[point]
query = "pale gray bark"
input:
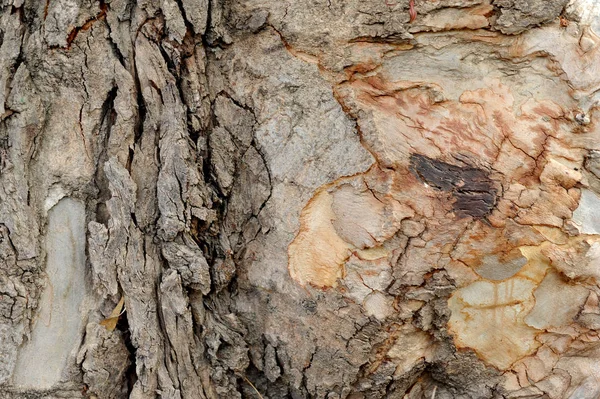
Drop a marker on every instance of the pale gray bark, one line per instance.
(279, 191)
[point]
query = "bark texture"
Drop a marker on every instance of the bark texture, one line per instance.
(299, 199)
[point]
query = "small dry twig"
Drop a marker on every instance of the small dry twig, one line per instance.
(412, 11)
(251, 384)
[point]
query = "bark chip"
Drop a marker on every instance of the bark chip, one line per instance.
(472, 188)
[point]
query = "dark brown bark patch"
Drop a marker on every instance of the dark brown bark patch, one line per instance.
(472, 187)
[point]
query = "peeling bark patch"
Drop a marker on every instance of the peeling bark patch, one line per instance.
(337, 221)
(58, 324)
(471, 187)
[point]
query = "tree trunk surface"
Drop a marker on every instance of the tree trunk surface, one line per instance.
(299, 199)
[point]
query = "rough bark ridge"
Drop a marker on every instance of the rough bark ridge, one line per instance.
(302, 198)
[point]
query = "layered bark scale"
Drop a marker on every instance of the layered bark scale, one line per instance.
(299, 198)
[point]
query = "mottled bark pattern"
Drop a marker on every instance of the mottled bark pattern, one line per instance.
(299, 199)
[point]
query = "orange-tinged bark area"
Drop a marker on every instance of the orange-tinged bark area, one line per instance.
(482, 179)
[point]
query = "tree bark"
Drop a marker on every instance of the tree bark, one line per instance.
(299, 198)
